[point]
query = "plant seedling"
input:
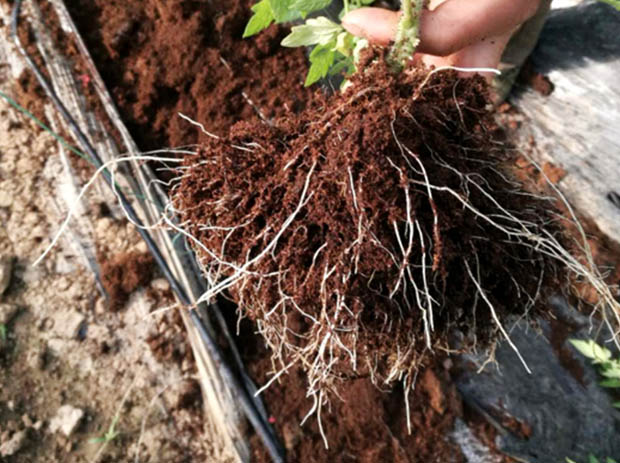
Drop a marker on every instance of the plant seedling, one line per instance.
(334, 49)
(354, 217)
(110, 435)
(608, 367)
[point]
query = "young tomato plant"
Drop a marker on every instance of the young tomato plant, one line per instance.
(608, 367)
(334, 49)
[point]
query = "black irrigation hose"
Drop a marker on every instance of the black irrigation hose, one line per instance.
(262, 428)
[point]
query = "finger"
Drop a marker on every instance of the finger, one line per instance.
(457, 24)
(378, 25)
(451, 26)
(484, 54)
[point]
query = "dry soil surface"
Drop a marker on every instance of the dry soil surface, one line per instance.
(70, 367)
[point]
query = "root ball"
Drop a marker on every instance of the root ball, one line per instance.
(361, 232)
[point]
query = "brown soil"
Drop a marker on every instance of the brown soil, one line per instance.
(123, 274)
(160, 59)
(186, 56)
(365, 424)
(363, 157)
(539, 82)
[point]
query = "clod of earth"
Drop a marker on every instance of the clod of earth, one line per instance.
(123, 274)
(361, 233)
(13, 445)
(66, 420)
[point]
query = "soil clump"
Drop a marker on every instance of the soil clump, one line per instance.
(369, 228)
(123, 274)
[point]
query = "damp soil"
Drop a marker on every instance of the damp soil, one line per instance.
(333, 196)
(529, 77)
(123, 274)
(160, 59)
(187, 56)
(366, 425)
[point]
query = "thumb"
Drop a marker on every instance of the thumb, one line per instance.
(378, 25)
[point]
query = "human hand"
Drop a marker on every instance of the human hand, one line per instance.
(462, 33)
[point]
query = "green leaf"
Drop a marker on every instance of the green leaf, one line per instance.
(344, 43)
(592, 459)
(611, 372)
(341, 63)
(611, 382)
(616, 404)
(321, 59)
(611, 460)
(316, 31)
(591, 350)
(261, 19)
(283, 10)
(2, 332)
(614, 3)
(308, 6)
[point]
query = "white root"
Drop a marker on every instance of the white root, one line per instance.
(496, 318)
(76, 204)
(199, 125)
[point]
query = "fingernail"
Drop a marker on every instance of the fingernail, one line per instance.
(353, 28)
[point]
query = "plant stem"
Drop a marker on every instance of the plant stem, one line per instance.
(406, 40)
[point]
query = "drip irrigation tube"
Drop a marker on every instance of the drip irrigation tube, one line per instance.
(262, 428)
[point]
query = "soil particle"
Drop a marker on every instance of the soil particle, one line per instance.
(553, 173)
(530, 77)
(122, 274)
(160, 284)
(66, 420)
(7, 312)
(169, 343)
(14, 444)
(68, 323)
(190, 395)
(432, 386)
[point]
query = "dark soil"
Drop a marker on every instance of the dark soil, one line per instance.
(530, 78)
(346, 270)
(122, 274)
(159, 59)
(365, 424)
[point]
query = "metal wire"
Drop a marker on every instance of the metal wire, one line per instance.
(262, 428)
